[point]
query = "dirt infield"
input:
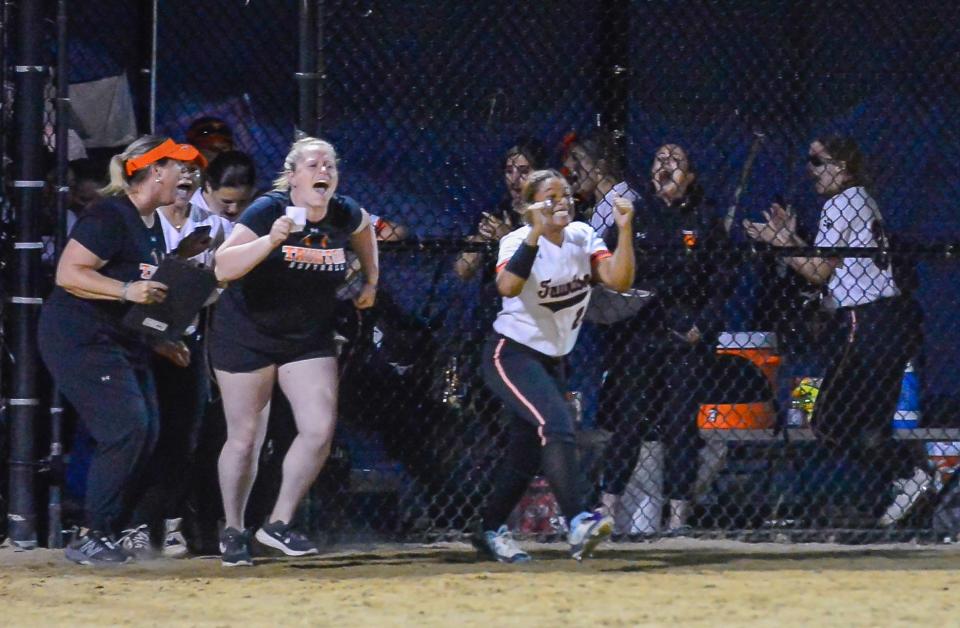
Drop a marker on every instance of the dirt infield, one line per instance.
(670, 582)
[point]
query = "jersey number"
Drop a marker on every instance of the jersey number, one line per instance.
(578, 318)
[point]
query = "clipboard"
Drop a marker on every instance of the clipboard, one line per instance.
(189, 287)
(608, 306)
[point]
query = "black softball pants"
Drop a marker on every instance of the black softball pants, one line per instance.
(112, 389)
(540, 434)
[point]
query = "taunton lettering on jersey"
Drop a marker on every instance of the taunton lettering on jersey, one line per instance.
(578, 287)
(303, 258)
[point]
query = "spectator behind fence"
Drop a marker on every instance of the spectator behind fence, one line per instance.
(594, 169)
(274, 323)
(544, 275)
(658, 361)
(102, 368)
(182, 389)
(881, 325)
(520, 160)
(211, 135)
(229, 184)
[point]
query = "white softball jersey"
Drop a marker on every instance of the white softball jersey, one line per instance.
(847, 220)
(547, 314)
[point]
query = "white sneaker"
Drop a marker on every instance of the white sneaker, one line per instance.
(174, 543)
(136, 542)
(501, 546)
(906, 493)
(587, 530)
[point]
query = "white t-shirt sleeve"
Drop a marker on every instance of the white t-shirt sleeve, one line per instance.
(508, 246)
(834, 226)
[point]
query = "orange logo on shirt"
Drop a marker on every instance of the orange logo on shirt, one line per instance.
(689, 239)
(308, 240)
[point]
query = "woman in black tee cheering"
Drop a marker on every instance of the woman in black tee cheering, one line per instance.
(274, 323)
(102, 368)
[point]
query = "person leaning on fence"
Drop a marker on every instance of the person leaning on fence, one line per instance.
(544, 274)
(665, 350)
(859, 393)
(100, 367)
(228, 185)
(274, 323)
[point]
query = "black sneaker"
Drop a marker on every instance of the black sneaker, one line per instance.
(95, 548)
(281, 536)
(235, 548)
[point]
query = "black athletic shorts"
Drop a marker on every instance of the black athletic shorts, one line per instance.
(236, 355)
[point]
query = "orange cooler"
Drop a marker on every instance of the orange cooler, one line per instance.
(760, 348)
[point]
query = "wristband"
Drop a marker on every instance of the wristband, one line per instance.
(522, 261)
(123, 294)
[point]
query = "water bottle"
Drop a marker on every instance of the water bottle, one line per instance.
(907, 416)
(796, 417)
(802, 400)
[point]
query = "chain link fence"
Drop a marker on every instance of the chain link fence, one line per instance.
(752, 384)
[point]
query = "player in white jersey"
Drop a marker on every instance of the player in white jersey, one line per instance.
(859, 394)
(544, 274)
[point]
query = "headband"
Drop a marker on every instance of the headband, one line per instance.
(167, 150)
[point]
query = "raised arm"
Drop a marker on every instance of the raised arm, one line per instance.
(617, 271)
(490, 229)
(513, 276)
(243, 250)
(780, 230)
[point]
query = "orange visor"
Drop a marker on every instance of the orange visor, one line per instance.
(168, 150)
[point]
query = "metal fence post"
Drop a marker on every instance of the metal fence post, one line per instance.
(30, 75)
(307, 75)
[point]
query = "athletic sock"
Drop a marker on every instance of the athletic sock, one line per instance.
(560, 467)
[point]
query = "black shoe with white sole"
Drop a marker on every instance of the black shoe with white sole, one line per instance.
(281, 536)
(92, 547)
(235, 548)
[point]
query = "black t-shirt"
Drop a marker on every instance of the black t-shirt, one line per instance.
(680, 254)
(114, 231)
(290, 295)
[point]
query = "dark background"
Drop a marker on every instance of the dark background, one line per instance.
(422, 98)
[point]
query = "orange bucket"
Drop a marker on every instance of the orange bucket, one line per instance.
(760, 348)
(736, 416)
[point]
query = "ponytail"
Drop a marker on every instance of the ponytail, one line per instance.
(120, 181)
